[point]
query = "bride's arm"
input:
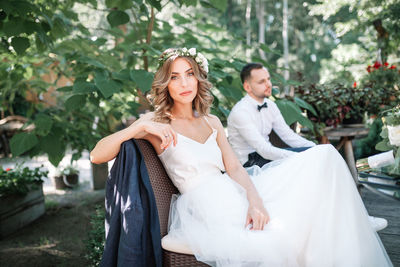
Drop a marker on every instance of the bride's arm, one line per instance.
(144, 128)
(257, 214)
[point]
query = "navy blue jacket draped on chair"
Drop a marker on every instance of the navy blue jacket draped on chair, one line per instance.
(132, 226)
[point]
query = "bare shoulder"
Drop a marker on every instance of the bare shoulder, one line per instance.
(214, 121)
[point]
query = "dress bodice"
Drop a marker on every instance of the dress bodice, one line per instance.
(189, 161)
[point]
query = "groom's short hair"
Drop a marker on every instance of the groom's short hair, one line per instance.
(246, 71)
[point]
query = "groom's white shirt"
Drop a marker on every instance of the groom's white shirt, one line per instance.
(249, 129)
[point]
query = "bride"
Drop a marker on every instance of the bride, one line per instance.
(302, 211)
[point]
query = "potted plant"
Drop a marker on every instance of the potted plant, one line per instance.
(21, 197)
(67, 177)
(381, 86)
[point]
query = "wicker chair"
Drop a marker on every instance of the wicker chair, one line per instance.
(163, 190)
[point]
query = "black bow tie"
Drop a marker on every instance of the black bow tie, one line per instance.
(259, 107)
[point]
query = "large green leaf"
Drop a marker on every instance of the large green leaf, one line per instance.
(43, 124)
(75, 102)
(143, 79)
(383, 146)
(117, 17)
(188, 2)
(305, 122)
(290, 111)
(20, 44)
(22, 142)
(123, 75)
(82, 87)
(305, 105)
(65, 89)
(13, 27)
(24, 7)
(106, 86)
(155, 3)
(219, 4)
(91, 61)
(54, 146)
(120, 4)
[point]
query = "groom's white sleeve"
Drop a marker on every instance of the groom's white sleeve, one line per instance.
(253, 137)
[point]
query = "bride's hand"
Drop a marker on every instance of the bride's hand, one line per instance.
(161, 130)
(257, 215)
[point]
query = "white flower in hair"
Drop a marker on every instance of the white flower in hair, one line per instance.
(192, 51)
(202, 58)
(184, 52)
(205, 67)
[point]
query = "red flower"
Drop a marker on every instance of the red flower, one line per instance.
(392, 67)
(377, 65)
(354, 84)
(369, 68)
(386, 64)
(8, 169)
(346, 109)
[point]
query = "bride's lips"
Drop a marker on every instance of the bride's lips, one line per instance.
(185, 93)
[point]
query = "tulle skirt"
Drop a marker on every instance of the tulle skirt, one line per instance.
(317, 217)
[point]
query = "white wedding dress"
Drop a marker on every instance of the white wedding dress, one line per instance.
(317, 216)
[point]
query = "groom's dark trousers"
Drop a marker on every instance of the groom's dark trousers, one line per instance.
(256, 159)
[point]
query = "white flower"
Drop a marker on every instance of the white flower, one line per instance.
(184, 50)
(201, 60)
(205, 67)
(192, 51)
(394, 135)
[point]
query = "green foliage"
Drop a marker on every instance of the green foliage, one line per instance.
(332, 102)
(28, 22)
(20, 180)
(365, 147)
(383, 85)
(117, 17)
(22, 142)
(220, 4)
(96, 237)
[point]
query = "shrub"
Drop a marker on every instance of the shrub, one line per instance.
(20, 180)
(96, 237)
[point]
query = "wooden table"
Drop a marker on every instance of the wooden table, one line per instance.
(346, 136)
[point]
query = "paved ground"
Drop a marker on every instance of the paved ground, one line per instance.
(58, 237)
(388, 208)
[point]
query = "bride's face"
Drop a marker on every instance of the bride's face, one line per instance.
(183, 84)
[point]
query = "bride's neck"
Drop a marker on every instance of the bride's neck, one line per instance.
(183, 112)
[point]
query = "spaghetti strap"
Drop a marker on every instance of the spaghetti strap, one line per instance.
(209, 124)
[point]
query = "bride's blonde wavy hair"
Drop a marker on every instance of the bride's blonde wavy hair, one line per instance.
(163, 102)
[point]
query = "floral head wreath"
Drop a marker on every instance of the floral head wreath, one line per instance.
(184, 52)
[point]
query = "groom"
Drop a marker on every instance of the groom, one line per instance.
(254, 117)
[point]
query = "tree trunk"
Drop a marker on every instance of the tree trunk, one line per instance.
(285, 44)
(144, 104)
(248, 30)
(261, 27)
(383, 40)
